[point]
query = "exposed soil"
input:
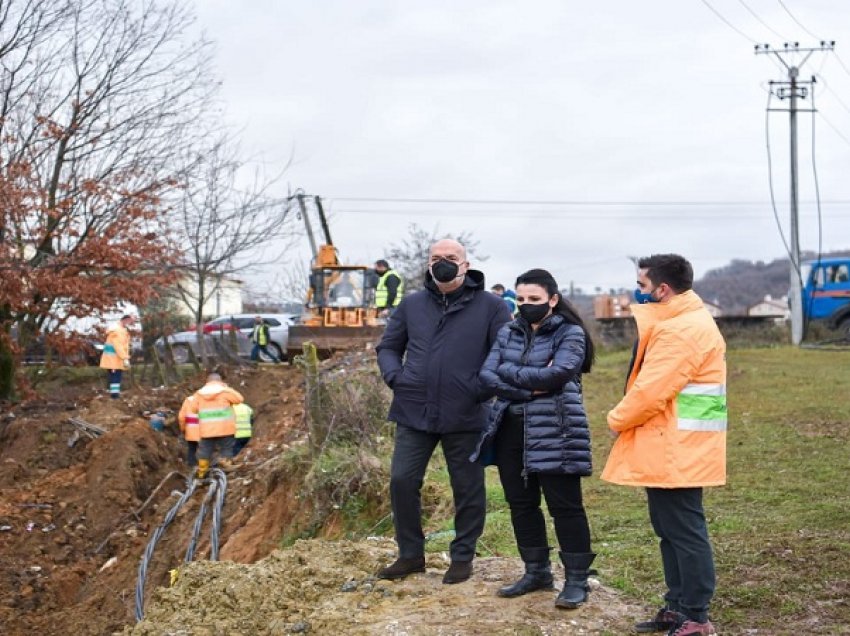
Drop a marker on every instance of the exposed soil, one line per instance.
(76, 514)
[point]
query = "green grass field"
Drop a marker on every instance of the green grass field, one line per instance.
(780, 528)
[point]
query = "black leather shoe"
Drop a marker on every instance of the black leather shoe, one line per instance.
(402, 568)
(664, 621)
(458, 572)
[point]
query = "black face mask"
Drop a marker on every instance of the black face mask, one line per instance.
(444, 271)
(534, 313)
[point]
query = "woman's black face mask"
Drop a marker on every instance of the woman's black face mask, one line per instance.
(534, 313)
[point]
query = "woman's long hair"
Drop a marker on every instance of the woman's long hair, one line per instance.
(564, 308)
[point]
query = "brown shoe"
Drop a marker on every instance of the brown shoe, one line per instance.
(692, 628)
(458, 572)
(402, 568)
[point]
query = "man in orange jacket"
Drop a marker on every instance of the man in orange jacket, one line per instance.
(670, 430)
(213, 405)
(190, 428)
(116, 353)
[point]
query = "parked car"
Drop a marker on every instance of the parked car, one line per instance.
(221, 327)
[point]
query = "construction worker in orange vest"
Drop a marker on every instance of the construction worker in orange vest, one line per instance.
(116, 353)
(213, 405)
(188, 421)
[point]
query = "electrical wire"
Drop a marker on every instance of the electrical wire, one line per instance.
(729, 24)
(800, 24)
(763, 23)
(148, 554)
(770, 182)
(550, 202)
(837, 97)
(835, 128)
(808, 312)
(841, 62)
(199, 522)
(217, 492)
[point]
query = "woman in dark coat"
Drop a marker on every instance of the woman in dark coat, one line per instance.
(538, 434)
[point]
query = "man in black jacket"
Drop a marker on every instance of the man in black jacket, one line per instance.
(429, 356)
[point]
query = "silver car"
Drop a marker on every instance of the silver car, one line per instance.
(223, 326)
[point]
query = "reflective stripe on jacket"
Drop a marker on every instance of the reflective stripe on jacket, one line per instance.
(116, 349)
(672, 420)
(381, 293)
(188, 420)
(244, 415)
(214, 407)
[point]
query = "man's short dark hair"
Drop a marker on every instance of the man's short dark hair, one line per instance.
(672, 269)
(382, 263)
(498, 287)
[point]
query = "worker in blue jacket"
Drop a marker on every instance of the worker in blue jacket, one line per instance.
(429, 356)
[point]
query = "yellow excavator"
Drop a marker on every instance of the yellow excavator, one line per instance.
(340, 308)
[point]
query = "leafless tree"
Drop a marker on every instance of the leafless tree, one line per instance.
(410, 257)
(100, 100)
(223, 227)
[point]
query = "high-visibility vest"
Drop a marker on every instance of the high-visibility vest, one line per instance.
(244, 413)
(381, 294)
(260, 335)
(188, 420)
(192, 430)
(214, 406)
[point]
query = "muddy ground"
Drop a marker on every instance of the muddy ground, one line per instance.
(76, 514)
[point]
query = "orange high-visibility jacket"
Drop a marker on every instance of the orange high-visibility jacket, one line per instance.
(672, 420)
(187, 418)
(116, 349)
(214, 406)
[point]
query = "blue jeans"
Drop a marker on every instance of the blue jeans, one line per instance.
(255, 352)
(413, 450)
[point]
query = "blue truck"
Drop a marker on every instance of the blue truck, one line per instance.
(826, 292)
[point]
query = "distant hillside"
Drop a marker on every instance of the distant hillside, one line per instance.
(742, 283)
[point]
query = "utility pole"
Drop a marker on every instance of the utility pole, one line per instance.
(793, 89)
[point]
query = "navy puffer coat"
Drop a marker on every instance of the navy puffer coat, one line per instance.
(557, 437)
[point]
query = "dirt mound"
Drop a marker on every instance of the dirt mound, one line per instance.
(76, 513)
(328, 587)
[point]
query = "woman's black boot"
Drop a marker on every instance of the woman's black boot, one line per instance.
(538, 573)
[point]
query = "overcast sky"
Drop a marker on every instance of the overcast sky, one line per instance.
(540, 115)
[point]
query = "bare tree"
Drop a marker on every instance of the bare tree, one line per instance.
(223, 228)
(410, 257)
(100, 101)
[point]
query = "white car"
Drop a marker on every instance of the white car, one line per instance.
(243, 325)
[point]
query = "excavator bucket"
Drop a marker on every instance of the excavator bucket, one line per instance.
(329, 339)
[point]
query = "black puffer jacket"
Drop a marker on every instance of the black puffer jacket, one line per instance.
(557, 437)
(431, 352)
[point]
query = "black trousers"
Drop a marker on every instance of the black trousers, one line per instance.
(562, 492)
(413, 450)
(678, 519)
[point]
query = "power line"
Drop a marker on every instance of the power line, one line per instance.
(800, 24)
(765, 24)
(729, 24)
(555, 202)
(770, 177)
(835, 128)
(554, 215)
(834, 94)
